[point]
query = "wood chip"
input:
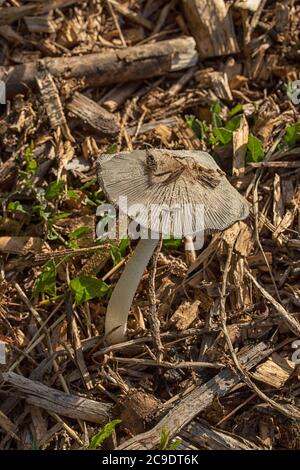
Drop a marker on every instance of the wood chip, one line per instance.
(185, 314)
(211, 25)
(275, 371)
(240, 142)
(72, 406)
(52, 101)
(98, 119)
(40, 24)
(20, 245)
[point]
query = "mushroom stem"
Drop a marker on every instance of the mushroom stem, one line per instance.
(190, 254)
(122, 296)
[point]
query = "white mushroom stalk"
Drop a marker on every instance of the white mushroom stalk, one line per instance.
(159, 178)
(123, 294)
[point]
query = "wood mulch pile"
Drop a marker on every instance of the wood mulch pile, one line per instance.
(87, 77)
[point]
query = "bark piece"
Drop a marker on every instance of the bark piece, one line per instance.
(118, 66)
(131, 15)
(11, 14)
(8, 173)
(64, 404)
(40, 24)
(218, 81)
(240, 142)
(211, 25)
(20, 245)
(52, 100)
(8, 425)
(93, 115)
(251, 5)
(275, 371)
(118, 95)
(185, 315)
(209, 438)
(196, 401)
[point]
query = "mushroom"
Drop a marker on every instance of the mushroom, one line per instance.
(174, 179)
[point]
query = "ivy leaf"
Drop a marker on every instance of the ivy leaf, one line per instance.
(103, 434)
(255, 149)
(124, 244)
(78, 232)
(223, 135)
(54, 189)
(172, 243)
(86, 288)
(16, 206)
(112, 149)
(31, 164)
(292, 134)
(233, 124)
(200, 128)
(215, 114)
(118, 252)
(46, 282)
(236, 110)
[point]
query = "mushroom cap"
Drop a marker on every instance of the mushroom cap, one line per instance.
(183, 181)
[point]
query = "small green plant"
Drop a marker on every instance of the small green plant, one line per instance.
(31, 164)
(104, 433)
(75, 235)
(16, 206)
(255, 149)
(118, 252)
(165, 441)
(219, 132)
(54, 189)
(86, 288)
(112, 149)
(292, 134)
(46, 281)
(172, 243)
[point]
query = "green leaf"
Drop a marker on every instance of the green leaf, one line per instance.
(54, 189)
(216, 108)
(103, 434)
(86, 288)
(78, 232)
(223, 135)
(172, 243)
(164, 439)
(174, 445)
(46, 282)
(200, 128)
(292, 134)
(72, 194)
(88, 184)
(31, 164)
(16, 206)
(233, 124)
(236, 110)
(118, 252)
(124, 244)
(215, 114)
(255, 149)
(61, 215)
(115, 255)
(112, 149)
